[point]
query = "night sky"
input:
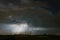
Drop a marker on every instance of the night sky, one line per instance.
(32, 18)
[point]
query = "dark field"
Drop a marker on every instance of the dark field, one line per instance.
(30, 37)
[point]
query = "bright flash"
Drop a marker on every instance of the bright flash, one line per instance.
(19, 28)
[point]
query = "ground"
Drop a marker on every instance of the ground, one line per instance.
(30, 37)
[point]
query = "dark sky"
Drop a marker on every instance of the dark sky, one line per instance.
(35, 16)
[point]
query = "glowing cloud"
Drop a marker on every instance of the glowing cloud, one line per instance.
(18, 28)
